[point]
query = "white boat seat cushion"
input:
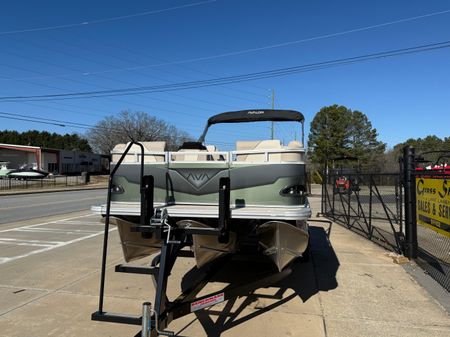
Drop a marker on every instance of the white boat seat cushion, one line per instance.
(133, 155)
(293, 156)
(191, 156)
(271, 144)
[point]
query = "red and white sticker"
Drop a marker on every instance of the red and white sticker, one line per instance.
(207, 302)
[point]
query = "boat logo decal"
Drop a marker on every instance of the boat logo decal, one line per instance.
(199, 177)
(256, 112)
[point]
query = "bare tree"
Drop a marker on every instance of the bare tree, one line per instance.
(139, 126)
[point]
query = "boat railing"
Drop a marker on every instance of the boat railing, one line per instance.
(207, 157)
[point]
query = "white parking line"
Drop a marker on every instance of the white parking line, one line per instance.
(87, 223)
(31, 241)
(47, 245)
(24, 244)
(55, 230)
(43, 223)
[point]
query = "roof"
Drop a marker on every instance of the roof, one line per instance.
(257, 115)
(3, 145)
(253, 115)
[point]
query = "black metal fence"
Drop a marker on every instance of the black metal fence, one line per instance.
(49, 182)
(407, 211)
(369, 204)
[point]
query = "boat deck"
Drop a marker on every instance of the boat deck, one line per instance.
(212, 211)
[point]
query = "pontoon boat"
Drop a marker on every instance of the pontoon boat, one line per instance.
(267, 193)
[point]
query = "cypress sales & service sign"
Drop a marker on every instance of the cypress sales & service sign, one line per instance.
(433, 204)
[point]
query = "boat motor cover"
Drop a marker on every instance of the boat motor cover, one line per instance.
(254, 115)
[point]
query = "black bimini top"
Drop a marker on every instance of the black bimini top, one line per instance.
(254, 115)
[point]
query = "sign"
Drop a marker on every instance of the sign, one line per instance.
(207, 302)
(433, 204)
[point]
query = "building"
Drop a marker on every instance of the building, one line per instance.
(54, 160)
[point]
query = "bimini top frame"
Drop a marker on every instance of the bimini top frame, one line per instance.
(258, 115)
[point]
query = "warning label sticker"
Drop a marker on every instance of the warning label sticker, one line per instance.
(207, 302)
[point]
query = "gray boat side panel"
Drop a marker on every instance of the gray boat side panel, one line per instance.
(204, 180)
(257, 175)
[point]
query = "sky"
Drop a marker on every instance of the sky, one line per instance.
(52, 47)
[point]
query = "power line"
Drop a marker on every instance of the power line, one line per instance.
(230, 79)
(314, 38)
(278, 45)
(98, 21)
(65, 77)
(64, 123)
(108, 78)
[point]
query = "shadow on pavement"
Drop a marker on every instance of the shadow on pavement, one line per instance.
(306, 280)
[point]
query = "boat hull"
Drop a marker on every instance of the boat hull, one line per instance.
(134, 245)
(29, 174)
(207, 248)
(282, 241)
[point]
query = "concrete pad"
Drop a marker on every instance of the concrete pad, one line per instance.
(249, 323)
(371, 328)
(379, 293)
(60, 314)
(139, 287)
(14, 249)
(59, 267)
(294, 294)
(70, 226)
(379, 258)
(44, 236)
(11, 298)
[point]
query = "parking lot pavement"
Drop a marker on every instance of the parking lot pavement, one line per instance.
(49, 279)
(23, 241)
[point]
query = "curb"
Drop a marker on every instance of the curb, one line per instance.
(53, 190)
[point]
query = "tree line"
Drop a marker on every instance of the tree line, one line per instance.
(336, 131)
(46, 139)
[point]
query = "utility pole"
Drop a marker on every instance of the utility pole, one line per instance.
(273, 107)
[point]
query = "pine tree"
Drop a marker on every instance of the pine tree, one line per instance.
(337, 131)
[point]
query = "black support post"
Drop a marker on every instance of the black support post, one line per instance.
(147, 211)
(410, 202)
(224, 208)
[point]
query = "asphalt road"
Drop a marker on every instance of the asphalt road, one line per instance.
(29, 206)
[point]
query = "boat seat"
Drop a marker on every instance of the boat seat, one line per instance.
(271, 144)
(293, 157)
(191, 156)
(133, 154)
(213, 148)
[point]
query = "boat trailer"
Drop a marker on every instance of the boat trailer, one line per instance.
(157, 316)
